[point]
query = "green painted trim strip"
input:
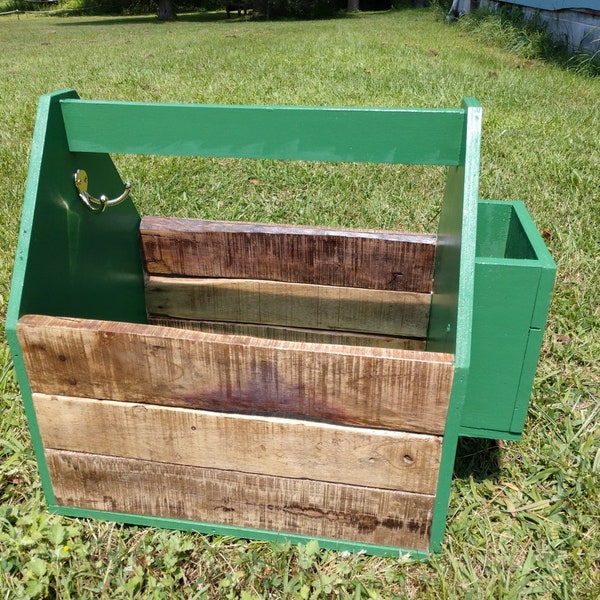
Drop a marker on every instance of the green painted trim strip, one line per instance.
(228, 530)
(47, 106)
(489, 434)
(469, 234)
(547, 275)
(409, 136)
(531, 263)
(458, 236)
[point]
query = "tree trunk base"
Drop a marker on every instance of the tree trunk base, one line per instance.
(166, 11)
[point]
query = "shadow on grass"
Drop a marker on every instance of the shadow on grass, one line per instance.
(207, 17)
(201, 17)
(479, 458)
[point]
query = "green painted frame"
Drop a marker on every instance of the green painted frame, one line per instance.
(58, 230)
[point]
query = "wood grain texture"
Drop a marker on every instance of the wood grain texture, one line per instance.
(248, 443)
(290, 304)
(292, 334)
(376, 387)
(347, 258)
(311, 508)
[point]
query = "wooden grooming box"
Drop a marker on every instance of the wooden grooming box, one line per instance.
(267, 381)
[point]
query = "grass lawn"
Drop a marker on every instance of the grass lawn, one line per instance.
(524, 517)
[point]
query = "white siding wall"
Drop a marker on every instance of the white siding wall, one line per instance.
(579, 29)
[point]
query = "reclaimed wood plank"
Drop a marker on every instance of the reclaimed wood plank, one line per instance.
(304, 507)
(296, 254)
(249, 443)
(375, 387)
(292, 334)
(290, 304)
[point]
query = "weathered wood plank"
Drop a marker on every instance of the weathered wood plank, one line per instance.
(292, 334)
(341, 257)
(376, 387)
(253, 444)
(311, 508)
(290, 305)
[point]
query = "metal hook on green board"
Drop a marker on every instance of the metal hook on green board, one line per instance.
(96, 204)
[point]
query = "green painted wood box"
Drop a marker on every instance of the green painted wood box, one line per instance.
(267, 381)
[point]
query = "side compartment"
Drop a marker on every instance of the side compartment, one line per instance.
(514, 276)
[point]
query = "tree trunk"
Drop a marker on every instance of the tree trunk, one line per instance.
(353, 6)
(165, 10)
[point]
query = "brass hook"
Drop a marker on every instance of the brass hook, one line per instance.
(96, 204)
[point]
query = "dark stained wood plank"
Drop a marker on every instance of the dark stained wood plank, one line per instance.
(376, 387)
(341, 257)
(311, 508)
(290, 305)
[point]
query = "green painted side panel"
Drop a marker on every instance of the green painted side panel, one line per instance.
(441, 335)
(240, 532)
(443, 332)
(504, 299)
(276, 132)
(69, 261)
(494, 219)
(545, 262)
(514, 278)
(501, 232)
(518, 244)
